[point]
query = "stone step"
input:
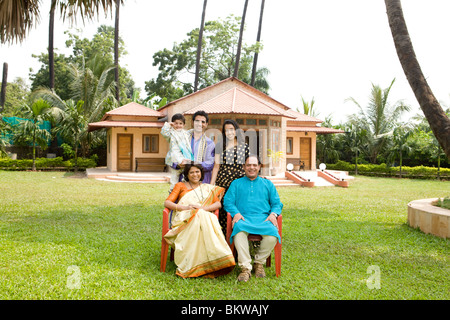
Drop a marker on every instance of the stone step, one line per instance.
(125, 178)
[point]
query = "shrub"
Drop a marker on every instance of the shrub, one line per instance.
(46, 163)
(384, 170)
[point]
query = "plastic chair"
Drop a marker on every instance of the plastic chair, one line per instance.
(166, 226)
(257, 237)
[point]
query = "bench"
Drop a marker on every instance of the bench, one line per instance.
(297, 162)
(150, 164)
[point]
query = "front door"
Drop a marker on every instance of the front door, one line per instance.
(124, 152)
(305, 152)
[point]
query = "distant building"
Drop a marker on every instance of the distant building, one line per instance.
(133, 134)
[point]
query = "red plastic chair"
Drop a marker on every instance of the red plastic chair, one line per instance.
(257, 237)
(167, 218)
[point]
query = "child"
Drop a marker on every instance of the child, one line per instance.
(179, 146)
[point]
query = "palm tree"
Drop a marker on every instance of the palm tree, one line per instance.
(354, 140)
(308, 108)
(439, 121)
(72, 122)
(199, 47)
(258, 39)
(399, 138)
(96, 93)
(3, 89)
(241, 33)
(116, 50)
(30, 131)
(378, 118)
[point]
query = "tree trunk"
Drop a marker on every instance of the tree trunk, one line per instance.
(116, 50)
(241, 32)
(51, 59)
(258, 38)
(199, 47)
(4, 83)
(436, 117)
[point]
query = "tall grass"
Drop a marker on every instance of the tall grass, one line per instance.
(333, 239)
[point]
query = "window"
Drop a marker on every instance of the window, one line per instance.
(150, 143)
(251, 122)
(289, 145)
(263, 122)
(216, 121)
(240, 121)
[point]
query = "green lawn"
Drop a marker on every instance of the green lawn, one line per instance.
(111, 232)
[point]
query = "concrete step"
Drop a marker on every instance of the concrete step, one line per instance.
(130, 178)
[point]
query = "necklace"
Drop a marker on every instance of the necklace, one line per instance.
(196, 192)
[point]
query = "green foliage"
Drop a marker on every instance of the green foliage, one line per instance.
(220, 39)
(384, 170)
(444, 203)
(96, 54)
(17, 93)
(46, 163)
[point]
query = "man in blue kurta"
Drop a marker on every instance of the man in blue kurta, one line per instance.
(254, 204)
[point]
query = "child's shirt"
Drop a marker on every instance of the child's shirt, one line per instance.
(179, 144)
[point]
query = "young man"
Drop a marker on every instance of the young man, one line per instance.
(254, 204)
(202, 147)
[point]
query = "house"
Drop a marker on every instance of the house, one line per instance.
(271, 128)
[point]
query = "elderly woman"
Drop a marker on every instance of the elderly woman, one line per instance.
(200, 246)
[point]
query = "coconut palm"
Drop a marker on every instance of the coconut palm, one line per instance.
(377, 118)
(30, 131)
(17, 17)
(439, 121)
(96, 94)
(72, 122)
(199, 47)
(258, 39)
(241, 33)
(399, 143)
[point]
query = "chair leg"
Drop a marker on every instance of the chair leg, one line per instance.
(164, 251)
(269, 261)
(277, 250)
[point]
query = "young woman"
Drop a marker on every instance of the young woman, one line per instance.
(229, 159)
(200, 246)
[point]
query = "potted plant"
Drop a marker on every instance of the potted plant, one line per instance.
(276, 156)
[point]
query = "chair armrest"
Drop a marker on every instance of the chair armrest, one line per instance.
(165, 222)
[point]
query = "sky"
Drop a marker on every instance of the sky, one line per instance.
(325, 49)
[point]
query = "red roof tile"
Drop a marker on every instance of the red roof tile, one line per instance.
(319, 130)
(133, 109)
(239, 101)
(131, 124)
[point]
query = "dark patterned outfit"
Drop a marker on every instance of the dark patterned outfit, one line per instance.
(231, 168)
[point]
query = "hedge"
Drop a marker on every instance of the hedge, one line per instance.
(382, 170)
(46, 163)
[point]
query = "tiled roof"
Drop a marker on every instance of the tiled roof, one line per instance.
(131, 124)
(237, 100)
(302, 117)
(133, 109)
(319, 130)
(248, 87)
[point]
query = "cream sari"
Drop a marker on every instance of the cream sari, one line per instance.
(196, 235)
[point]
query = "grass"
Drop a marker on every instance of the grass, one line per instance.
(111, 232)
(444, 203)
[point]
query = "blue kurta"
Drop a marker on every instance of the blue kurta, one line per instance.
(254, 200)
